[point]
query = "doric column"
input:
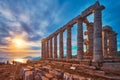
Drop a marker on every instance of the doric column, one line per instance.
(69, 47)
(112, 44)
(115, 44)
(90, 39)
(104, 42)
(42, 49)
(97, 52)
(55, 46)
(51, 48)
(47, 48)
(80, 39)
(61, 52)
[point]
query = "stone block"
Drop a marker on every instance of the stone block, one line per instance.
(28, 75)
(111, 67)
(44, 78)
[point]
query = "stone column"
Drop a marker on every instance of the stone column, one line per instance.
(115, 44)
(90, 39)
(55, 46)
(42, 49)
(61, 52)
(112, 44)
(104, 42)
(69, 47)
(51, 48)
(80, 39)
(97, 52)
(47, 48)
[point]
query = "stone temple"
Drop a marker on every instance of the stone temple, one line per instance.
(101, 42)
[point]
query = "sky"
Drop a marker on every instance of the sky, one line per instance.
(23, 23)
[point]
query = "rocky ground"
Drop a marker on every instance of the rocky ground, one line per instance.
(7, 72)
(53, 70)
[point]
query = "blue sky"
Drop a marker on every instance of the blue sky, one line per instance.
(36, 19)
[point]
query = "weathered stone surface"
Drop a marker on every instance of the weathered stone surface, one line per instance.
(105, 45)
(44, 78)
(50, 76)
(80, 39)
(69, 46)
(111, 67)
(55, 46)
(57, 73)
(89, 43)
(37, 76)
(61, 52)
(29, 75)
(67, 76)
(97, 52)
(112, 44)
(51, 48)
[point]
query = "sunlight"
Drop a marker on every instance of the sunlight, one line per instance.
(18, 43)
(20, 60)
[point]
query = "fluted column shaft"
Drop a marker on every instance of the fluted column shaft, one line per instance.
(42, 49)
(105, 51)
(61, 52)
(115, 44)
(47, 49)
(90, 39)
(97, 55)
(69, 47)
(55, 46)
(51, 48)
(112, 44)
(80, 39)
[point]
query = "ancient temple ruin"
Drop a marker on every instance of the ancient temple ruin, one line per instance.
(100, 60)
(101, 42)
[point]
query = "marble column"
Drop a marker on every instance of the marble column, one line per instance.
(51, 48)
(97, 52)
(61, 52)
(104, 42)
(80, 39)
(55, 46)
(69, 47)
(112, 44)
(90, 39)
(115, 44)
(47, 48)
(42, 49)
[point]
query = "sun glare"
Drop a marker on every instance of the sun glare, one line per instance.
(18, 43)
(20, 60)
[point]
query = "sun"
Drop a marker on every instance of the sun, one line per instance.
(18, 42)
